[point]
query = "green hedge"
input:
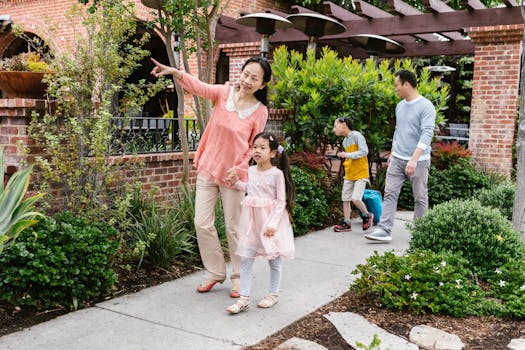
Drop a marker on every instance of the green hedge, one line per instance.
(63, 261)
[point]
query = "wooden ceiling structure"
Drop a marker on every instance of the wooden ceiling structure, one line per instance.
(438, 31)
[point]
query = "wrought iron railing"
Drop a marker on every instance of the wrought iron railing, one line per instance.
(138, 135)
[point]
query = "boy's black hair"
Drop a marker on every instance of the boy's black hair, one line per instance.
(347, 121)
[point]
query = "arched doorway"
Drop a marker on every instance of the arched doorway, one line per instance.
(165, 101)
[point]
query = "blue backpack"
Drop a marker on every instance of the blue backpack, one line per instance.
(374, 203)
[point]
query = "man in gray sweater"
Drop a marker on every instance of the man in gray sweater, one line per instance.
(410, 155)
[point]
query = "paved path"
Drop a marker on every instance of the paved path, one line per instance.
(174, 316)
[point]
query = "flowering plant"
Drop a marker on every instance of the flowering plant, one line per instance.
(26, 62)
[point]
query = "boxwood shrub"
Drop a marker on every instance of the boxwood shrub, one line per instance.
(480, 234)
(459, 181)
(62, 261)
(310, 208)
(500, 197)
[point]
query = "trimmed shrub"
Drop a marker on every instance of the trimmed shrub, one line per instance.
(64, 261)
(459, 181)
(310, 208)
(500, 197)
(480, 234)
(423, 281)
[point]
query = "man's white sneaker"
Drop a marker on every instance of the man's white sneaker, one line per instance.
(379, 235)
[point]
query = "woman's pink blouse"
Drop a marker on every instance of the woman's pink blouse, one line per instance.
(227, 140)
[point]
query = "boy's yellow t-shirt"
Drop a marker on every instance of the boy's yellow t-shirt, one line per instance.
(355, 169)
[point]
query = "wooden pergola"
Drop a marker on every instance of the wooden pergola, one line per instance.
(438, 31)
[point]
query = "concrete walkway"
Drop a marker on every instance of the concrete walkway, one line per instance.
(174, 316)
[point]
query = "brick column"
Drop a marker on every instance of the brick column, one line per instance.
(15, 117)
(495, 94)
(238, 53)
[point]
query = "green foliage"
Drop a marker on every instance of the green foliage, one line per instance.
(500, 197)
(423, 282)
(374, 344)
(17, 212)
(480, 234)
(310, 207)
(67, 264)
(459, 181)
(320, 90)
(157, 233)
(76, 133)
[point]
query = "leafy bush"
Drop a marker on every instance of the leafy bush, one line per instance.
(310, 207)
(459, 181)
(67, 264)
(423, 281)
(159, 233)
(320, 90)
(446, 154)
(480, 234)
(500, 197)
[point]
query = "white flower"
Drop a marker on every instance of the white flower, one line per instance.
(443, 263)
(501, 283)
(458, 282)
(408, 277)
(522, 287)
(413, 296)
(498, 271)
(441, 284)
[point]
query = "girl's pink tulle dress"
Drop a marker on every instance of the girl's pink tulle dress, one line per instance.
(264, 206)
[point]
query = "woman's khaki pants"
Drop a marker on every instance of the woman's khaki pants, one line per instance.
(206, 197)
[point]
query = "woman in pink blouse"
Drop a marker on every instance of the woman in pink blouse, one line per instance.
(239, 113)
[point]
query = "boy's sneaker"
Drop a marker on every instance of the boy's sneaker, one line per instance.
(343, 227)
(379, 235)
(368, 222)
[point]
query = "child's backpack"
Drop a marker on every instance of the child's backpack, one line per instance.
(374, 203)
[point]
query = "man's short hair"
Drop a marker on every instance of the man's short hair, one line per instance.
(407, 76)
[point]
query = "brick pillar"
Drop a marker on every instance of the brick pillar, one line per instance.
(495, 94)
(238, 53)
(15, 117)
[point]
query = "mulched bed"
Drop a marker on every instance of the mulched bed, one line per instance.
(477, 333)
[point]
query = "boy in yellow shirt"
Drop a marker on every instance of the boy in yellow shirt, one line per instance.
(356, 173)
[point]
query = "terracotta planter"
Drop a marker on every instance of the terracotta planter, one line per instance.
(22, 84)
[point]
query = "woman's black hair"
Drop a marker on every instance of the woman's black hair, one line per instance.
(262, 94)
(281, 161)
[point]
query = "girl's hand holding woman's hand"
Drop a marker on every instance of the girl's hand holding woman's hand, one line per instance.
(269, 232)
(232, 176)
(162, 69)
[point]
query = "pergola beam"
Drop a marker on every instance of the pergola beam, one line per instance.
(403, 28)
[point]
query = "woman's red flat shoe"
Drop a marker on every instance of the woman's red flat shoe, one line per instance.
(208, 285)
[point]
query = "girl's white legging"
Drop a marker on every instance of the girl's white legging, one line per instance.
(246, 275)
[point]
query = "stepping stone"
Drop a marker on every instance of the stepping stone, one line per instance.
(434, 339)
(299, 344)
(516, 344)
(355, 328)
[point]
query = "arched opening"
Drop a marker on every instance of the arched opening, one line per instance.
(28, 42)
(165, 101)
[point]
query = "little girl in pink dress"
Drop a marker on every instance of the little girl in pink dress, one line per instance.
(264, 227)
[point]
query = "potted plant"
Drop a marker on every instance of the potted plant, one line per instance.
(21, 75)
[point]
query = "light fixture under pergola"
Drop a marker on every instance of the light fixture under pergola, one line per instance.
(315, 26)
(376, 45)
(265, 24)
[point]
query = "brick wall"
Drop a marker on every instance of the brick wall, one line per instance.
(163, 170)
(495, 95)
